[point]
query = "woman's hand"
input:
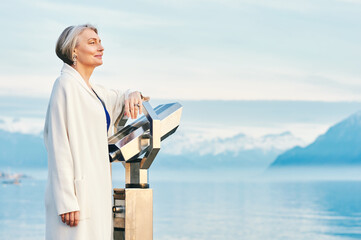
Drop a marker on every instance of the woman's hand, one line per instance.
(70, 218)
(133, 105)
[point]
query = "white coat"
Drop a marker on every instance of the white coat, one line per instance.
(79, 172)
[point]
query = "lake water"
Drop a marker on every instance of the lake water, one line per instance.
(210, 208)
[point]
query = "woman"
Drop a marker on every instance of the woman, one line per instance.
(78, 197)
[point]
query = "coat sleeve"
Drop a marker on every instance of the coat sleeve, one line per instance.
(60, 160)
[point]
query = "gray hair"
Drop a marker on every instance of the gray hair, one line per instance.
(68, 40)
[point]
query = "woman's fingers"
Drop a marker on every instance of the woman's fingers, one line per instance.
(140, 103)
(67, 218)
(138, 106)
(76, 218)
(71, 219)
(126, 108)
(133, 105)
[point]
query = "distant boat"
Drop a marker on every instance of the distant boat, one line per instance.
(11, 181)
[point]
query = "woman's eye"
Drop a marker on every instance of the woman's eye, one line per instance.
(92, 42)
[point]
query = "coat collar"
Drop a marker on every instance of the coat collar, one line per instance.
(74, 73)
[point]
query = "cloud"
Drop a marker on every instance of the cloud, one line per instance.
(174, 79)
(107, 15)
(33, 85)
(350, 1)
(275, 4)
(22, 125)
(192, 49)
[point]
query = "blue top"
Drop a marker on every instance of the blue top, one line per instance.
(106, 111)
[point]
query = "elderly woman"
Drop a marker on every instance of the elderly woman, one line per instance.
(78, 197)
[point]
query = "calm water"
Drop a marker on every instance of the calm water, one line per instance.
(201, 209)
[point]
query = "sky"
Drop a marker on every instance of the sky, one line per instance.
(193, 49)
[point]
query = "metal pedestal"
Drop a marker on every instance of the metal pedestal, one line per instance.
(137, 223)
(136, 146)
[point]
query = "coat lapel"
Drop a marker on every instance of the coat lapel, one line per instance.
(74, 73)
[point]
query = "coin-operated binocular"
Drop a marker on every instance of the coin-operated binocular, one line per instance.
(136, 146)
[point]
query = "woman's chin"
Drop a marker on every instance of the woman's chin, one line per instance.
(99, 64)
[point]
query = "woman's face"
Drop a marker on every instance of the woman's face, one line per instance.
(89, 50)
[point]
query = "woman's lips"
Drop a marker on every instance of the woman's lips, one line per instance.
(99, 56)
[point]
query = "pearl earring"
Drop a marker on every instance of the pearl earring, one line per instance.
(74, 60)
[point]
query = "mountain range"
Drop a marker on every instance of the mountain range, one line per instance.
(340, 145)
(185, 150)
(181, 151)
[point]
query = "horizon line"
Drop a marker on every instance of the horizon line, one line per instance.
(207, 100)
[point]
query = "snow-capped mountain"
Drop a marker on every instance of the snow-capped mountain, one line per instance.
(186, 148)
(340, 145)
(184, 142)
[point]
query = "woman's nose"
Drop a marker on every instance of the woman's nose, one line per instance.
(101, 49)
